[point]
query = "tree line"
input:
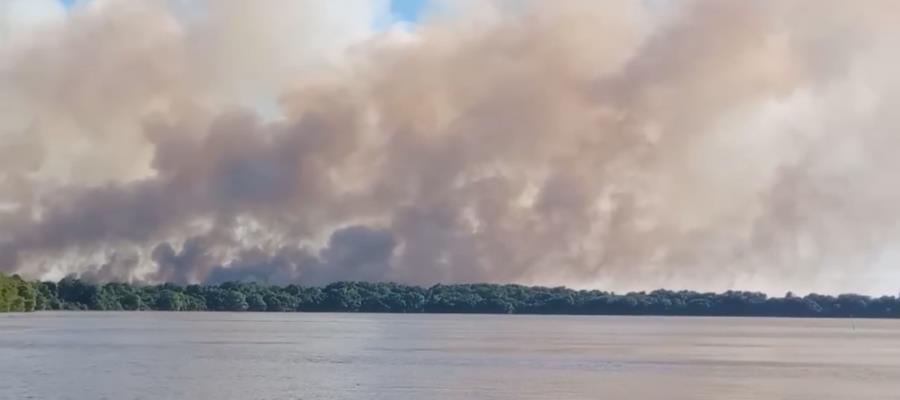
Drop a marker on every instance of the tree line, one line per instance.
(72, 293)
(16, 295)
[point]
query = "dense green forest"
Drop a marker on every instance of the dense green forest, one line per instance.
(75, 294)
(16, 294)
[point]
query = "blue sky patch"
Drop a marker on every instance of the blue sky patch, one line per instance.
(403, 10)
(407, 10)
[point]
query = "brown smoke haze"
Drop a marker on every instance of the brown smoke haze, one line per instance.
(611, 144)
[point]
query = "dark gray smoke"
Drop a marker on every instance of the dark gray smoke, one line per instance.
(359, 252)
(703, 144)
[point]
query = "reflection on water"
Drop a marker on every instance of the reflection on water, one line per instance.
(375, 356)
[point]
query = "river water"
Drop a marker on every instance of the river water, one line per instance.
(241, 356)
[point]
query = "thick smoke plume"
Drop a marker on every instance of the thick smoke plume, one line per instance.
(615, 144)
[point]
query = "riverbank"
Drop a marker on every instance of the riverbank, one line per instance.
(75, 294)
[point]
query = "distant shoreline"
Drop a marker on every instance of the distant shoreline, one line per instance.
(674, 316)
(75, 294)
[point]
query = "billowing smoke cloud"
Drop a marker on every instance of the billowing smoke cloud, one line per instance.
(356, 251)
(702, 144)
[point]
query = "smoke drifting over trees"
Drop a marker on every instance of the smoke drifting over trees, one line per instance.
(710, 144)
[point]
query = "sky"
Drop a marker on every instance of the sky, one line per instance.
(618, 145)
(407, 10)
(403, 10)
